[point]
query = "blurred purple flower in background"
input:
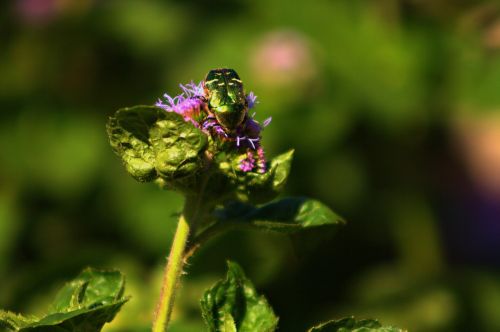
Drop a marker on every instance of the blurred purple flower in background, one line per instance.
(42, 12)
(283, 57)
(37, 12)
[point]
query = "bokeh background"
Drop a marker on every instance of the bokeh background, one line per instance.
(392, 107)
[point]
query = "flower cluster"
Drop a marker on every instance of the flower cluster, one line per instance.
(247, 163)
(189, 104)
(193, 106)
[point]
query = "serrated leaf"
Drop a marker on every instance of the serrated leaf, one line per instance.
(157, 145)
(234, 305)
(91, 287)
(285, 215)
(349, 324)
(82, 305)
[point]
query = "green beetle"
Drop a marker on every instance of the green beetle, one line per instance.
(226, 98)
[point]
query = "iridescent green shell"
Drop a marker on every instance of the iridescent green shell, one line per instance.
(226, 97)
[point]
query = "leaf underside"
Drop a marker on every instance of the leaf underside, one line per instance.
(286, 215)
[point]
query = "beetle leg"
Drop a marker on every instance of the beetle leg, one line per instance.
(219, 130)
(211, 123)
(207, 124)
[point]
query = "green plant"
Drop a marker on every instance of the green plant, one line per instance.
(83, 305)
(205, 144)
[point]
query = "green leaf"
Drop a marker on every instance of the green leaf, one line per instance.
(285, 215)
(82, 305)
(234, 305)
(158, 145)
(252, 187)
(260, 188)
(91, 287)
(13, 322)
(349, 324)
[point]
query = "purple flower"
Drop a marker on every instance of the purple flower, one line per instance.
(254, 159)
(267, 121)
(252, 99)
(188, 104)
(37, 12)
(248, 163)
(261, 160)
(249, 134)
(192, 105)
(193, 90)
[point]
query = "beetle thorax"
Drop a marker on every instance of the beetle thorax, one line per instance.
(226, 97)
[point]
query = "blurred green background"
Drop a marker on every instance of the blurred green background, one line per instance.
(392, 107)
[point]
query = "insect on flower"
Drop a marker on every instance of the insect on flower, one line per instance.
(226, 98)
(219, 106)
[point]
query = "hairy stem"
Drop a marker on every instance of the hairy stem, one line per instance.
(171, 276)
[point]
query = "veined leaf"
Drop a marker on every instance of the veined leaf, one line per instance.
(157, 145)
(82, 305)
(233, 305)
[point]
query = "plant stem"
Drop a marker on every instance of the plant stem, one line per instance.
(171, 276)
